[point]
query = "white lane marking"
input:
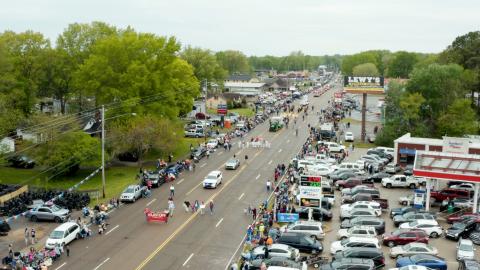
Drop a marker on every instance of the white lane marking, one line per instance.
(150, 202)
(219, 153)
(258, 176)
(188, 259)
(288, 141)
(218, 223)
(270, 162)
(62, 265)
(114, 228)
(241, 196)
(203, 165)
(279, 150)
(181, 180)
(100, 265)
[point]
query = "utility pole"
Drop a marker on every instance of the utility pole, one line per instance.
(103, 151)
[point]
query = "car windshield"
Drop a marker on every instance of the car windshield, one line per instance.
(419, 257)
(344, 242)
(413, 223)
(232, 161)
(128, 190)
(458, 226)
(56, 235)
(309, 240)
(465, 247)
(55, 208)
(406, 247)
(397, 232)
(211, 177)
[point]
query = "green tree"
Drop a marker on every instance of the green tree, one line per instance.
(402, 64)
(440, 85)
(23, 52)
(367, 69)
(411, 104)
(459, 120)
(233, 61)
(74, 46)
(375, 57)
(140, 134)
(132, 66)
(205, 64)
(68, 152)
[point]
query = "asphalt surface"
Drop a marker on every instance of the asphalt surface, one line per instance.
(193, 240)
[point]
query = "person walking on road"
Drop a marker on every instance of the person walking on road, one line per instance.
(186, 205)
(269, 185)
(172, 190)
(208, 154)
(32, 236)
(254, 213)
(67, 250)
(171, 207)
(26, 234)
(211, 206)
(296, 132)
(202, 208)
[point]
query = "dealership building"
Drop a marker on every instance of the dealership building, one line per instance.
(407, 146)
(437, 160)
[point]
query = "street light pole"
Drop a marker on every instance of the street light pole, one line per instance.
(103, 151)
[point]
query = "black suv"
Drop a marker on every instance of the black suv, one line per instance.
(321, 214)
(301, 241)
(23, 162)
(375, 222)
(374, 254)
(461, 229)
(349, 263)
(198, 153)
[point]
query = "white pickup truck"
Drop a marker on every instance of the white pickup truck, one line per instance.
(400, 181)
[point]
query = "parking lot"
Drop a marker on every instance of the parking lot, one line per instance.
(447, 248)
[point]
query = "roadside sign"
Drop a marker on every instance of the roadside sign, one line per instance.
(311, 181)
(308, 202)
(222, 109)
(310, 192)
(418, 198)
(286, 217)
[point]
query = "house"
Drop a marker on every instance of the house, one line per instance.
(238, 78)
(278, 85)
(7, 145)
(214, 101)
(245, 88)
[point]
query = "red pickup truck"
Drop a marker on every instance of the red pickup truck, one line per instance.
(353, 182)
(451, 193)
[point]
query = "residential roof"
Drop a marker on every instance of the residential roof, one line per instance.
(243, 85)
(239, 77)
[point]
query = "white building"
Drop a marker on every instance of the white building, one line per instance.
(7, 145)
(244, 88)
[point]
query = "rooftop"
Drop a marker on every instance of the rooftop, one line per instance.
(448, 166)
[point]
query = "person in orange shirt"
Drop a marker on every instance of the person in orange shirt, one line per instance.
(269, 241)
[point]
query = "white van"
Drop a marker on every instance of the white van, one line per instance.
(63, 235)
(341, 245)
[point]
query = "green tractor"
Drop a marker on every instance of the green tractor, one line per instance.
(276, 123)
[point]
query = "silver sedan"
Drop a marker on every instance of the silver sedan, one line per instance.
(232, 164)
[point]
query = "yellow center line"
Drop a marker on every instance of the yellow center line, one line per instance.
(179, 229)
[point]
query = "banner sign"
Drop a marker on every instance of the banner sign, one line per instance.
(456, 145)
(307, 202)
(286, 217)
(363, 85)
(222, 109)
(310, 192)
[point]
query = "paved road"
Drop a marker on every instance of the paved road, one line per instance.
(131, 243)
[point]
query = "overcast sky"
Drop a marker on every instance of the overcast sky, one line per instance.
(260, 27)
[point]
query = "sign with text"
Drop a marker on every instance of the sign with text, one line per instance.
(222, 109)
(456, 145)
(310, 192)
(287, 217)
(308, 202)
(363, 85)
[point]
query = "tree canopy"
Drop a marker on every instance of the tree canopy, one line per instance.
(402, 64)
(233, 62)
(367, 69)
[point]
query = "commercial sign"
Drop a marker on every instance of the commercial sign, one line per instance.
(363, 85)
(311, 181)
(419, 198)
(308, 202)
(222, 109)
(286, 217)
(456, 145)
(310, 192)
